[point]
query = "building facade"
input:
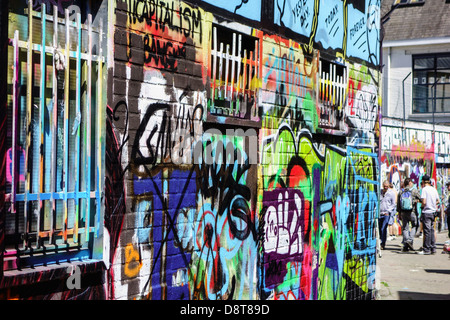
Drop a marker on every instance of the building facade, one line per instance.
(416, 91)
(191, 150)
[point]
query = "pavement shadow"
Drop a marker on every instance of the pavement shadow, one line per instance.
(407, 295)
(438, 271)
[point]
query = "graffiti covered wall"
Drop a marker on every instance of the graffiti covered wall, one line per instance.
(319, 196)
(290, 219)
(238, 163)
(413, 150)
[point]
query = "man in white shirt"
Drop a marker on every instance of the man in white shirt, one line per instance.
(430, 202)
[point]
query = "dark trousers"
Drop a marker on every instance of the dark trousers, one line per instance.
(429, 240)
(383, 225)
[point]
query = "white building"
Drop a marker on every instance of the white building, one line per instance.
(415, 129)
(416, 60)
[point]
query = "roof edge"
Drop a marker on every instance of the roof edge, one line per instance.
(416, 42)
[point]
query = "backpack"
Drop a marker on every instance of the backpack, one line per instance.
(406, 202)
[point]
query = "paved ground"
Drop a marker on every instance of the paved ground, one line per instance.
(409, 276)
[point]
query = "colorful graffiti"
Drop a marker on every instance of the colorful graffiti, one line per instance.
(319, 199)
(409, 152)
(351, 27)
(319, 211)
(273, 197)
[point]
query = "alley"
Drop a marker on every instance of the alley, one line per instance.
(409, 276)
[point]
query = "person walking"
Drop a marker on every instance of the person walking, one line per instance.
(407, 200)
(387, 210)
(430, 202)
(447, 209)
(394, 219)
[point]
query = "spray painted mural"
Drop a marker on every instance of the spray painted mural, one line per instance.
(239, 164)
(296, 223)
(350, 27)
(319, 198)
(413, 152)
(247, 8)
(195, 219)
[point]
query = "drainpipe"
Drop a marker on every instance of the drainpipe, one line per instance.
(388, 80)
(434, 107)
(404, 108)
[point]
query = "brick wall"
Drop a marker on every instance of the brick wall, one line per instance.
(279, 227)
(241, 151)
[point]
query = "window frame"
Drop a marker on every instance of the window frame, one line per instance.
(24, 247)
(333, 84)
(229, 60)
(434, 103)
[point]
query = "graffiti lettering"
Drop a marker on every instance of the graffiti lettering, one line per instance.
(164, 137)
(357, 27)
(160, 53)
(161, 14)
(132, 261)
(331, 16)
(300, 12)
(283, 222)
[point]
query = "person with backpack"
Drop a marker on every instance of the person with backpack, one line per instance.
(408, 197)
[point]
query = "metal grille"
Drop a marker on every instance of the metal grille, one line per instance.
(53, 163)
(332, 92)
(234, 76)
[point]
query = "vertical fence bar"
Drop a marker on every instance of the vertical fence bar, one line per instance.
(238, 75)
(258, 59)
(324, 86)
(330, 87)
(244, 81)
(250, 82)
(251, 64)
(66, 117)
(254, 111)
(233, 63)
(213, 95)
(42, 107)
(344, 87)
(320, 80)
(76, 130)
(334, 84)
(338, 91)
(15, 117)
(88, 128)
(220, 69)
(99, 124)
(54, 124)
(337, 85)
(28, 117)
(227, 64)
